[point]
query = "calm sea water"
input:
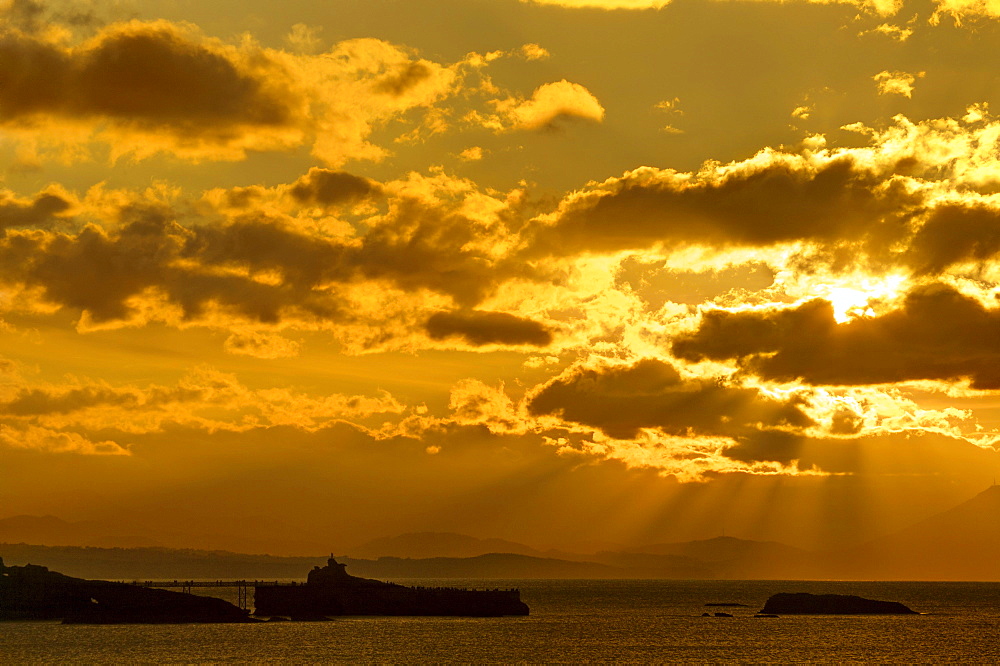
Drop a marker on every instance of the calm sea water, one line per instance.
(570, 621)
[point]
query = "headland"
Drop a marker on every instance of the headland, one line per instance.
(331, 591)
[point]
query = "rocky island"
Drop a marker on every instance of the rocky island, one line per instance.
(803, 603)
(331, 591)
(33, 592)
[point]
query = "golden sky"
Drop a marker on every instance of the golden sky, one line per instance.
(275, 275)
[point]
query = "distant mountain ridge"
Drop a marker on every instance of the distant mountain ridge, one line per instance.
(962, 543)
(53, 531)
(438, 544)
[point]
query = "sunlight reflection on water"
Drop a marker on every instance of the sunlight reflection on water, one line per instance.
(571, 621)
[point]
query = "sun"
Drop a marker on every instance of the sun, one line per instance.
(854, 301)
(849, 304)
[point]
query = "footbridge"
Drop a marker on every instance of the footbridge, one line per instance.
(242, 586)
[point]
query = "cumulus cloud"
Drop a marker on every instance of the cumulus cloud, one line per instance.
(551, 102)
(151, 79)
(959, 9)
(471, 154)
(620, 400)
(937, 333)
(146, 87)
(44, 210)
(252, 259)
(325, 187)
(770, 199)
(534, 52)
(917, 200)
(896, 83)
(955, 233)
(480, 328)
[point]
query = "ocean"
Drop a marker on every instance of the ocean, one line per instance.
(571, 621)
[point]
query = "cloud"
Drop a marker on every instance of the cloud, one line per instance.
(264, 345)
(255, 260)
(534, 52)
(149, 87)
(480, 328)
(605, 4)
(33, 16)
(471, 154)
(893, 32)
(620, 400)
(913, 453)
(325, 187)
(770, 199)
(936, 333)
(203, 398)
(880, 7)
(151, 79)
(959, 9)
(44, 210)
(42, 439)
(896, 83)
(34, 402)
(955, 233)
(304, 38)
(551, 102)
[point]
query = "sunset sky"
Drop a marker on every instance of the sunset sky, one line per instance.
(286, 276)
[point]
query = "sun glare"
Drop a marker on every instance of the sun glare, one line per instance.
(852, 302)
(849, 304)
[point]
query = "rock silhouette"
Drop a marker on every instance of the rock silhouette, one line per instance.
(804, 603)
(33, 592)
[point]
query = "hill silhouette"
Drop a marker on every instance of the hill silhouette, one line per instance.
(490, 565)
(720, 549)
(962, 543)
(53, 531)
(437, 544)
(719, 557)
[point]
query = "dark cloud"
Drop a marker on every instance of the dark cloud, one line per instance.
(328, 188)
(24, 14)
(403, 78)
(482, 328)
(36, 402)
(433, 247)
(418, 246)
(149, 75)
(33, 16)
(937, 333)
(757, 205)
(619, 400)
(98, 273)
(38, 212)
(952, 234)
(34, 76)
(916, 453)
